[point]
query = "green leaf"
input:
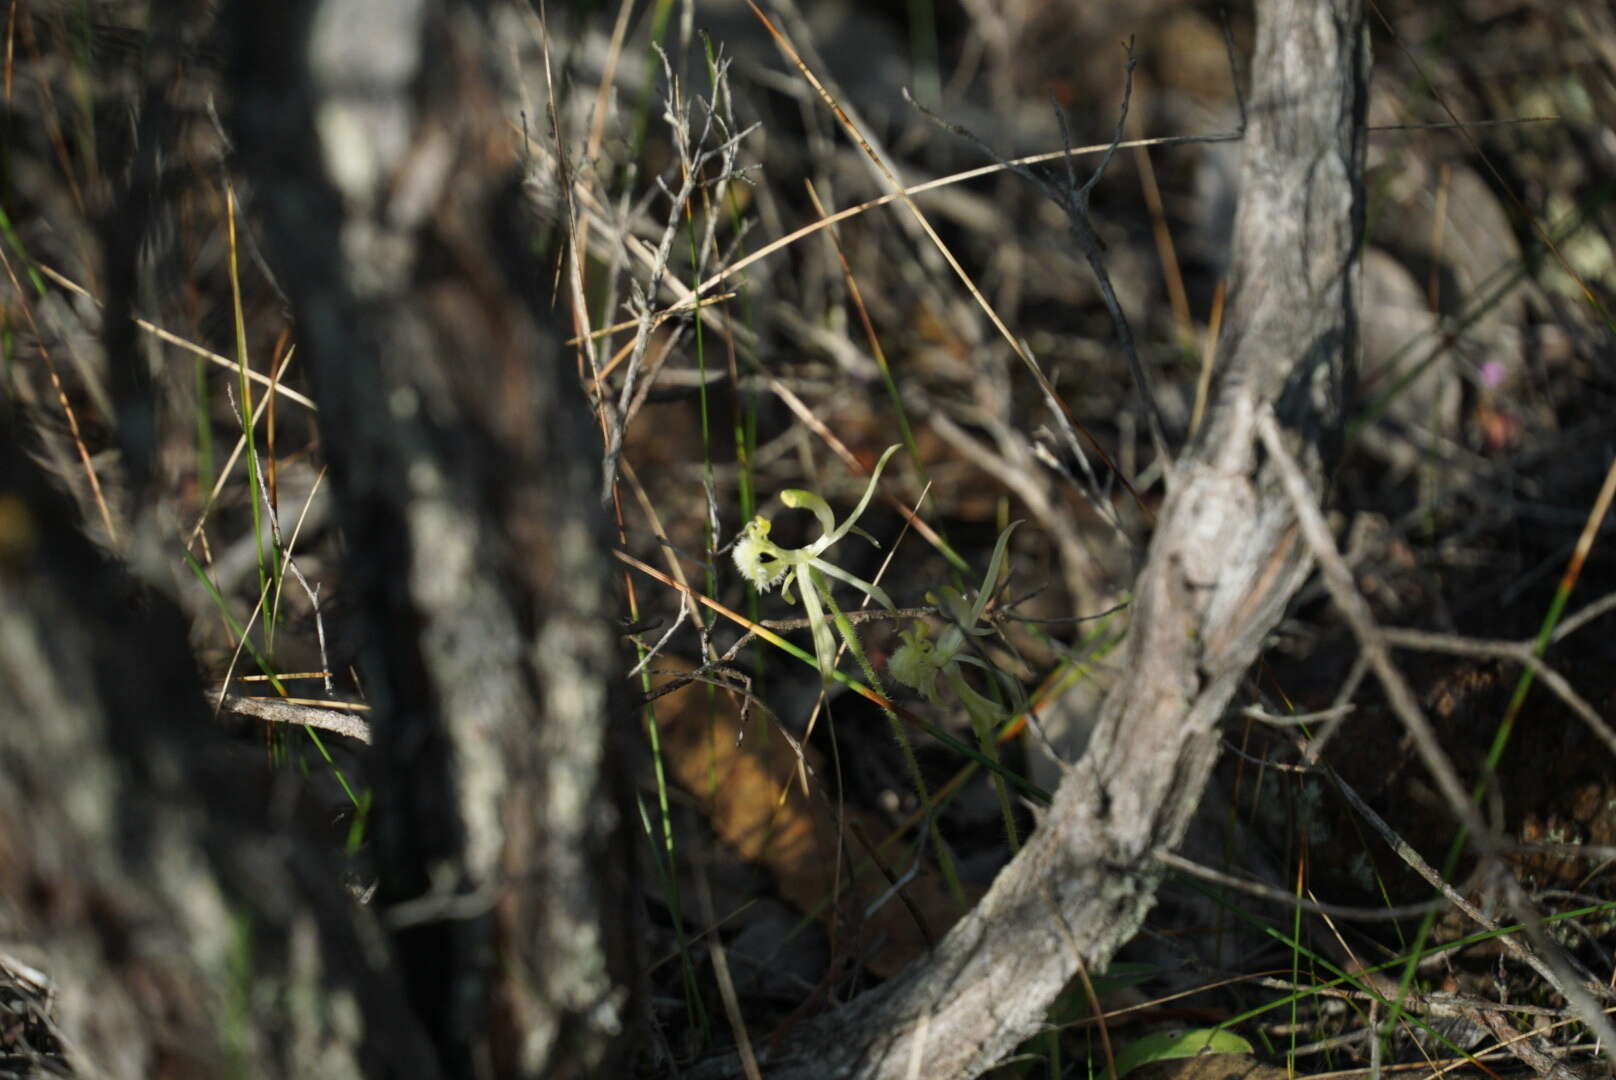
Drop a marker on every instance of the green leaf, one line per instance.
(985, 715)
(1168, 1045)
(991, 581)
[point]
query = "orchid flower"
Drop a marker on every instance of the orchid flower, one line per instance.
(766, 564)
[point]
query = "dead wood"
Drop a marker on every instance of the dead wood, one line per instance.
(1224, 562)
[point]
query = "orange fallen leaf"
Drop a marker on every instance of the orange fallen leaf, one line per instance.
(744, 783)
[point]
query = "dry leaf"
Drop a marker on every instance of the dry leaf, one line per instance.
(746, 787)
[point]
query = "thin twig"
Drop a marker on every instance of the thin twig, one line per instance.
(279, 711)
(1280, 896)
(1521, 652)
(1350, 602)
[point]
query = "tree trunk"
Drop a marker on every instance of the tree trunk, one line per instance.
(1225, 560)
(185, 934)
(468, 479)
(192, 937)
(189, 935)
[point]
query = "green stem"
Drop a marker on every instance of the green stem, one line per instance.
(986, 727)
(844, 626)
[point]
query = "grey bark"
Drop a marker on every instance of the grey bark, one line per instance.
(188, 933)
(1222, 565)
(467, 473)
(192, 935)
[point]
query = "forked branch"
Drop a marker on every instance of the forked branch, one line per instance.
(1224, 562)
